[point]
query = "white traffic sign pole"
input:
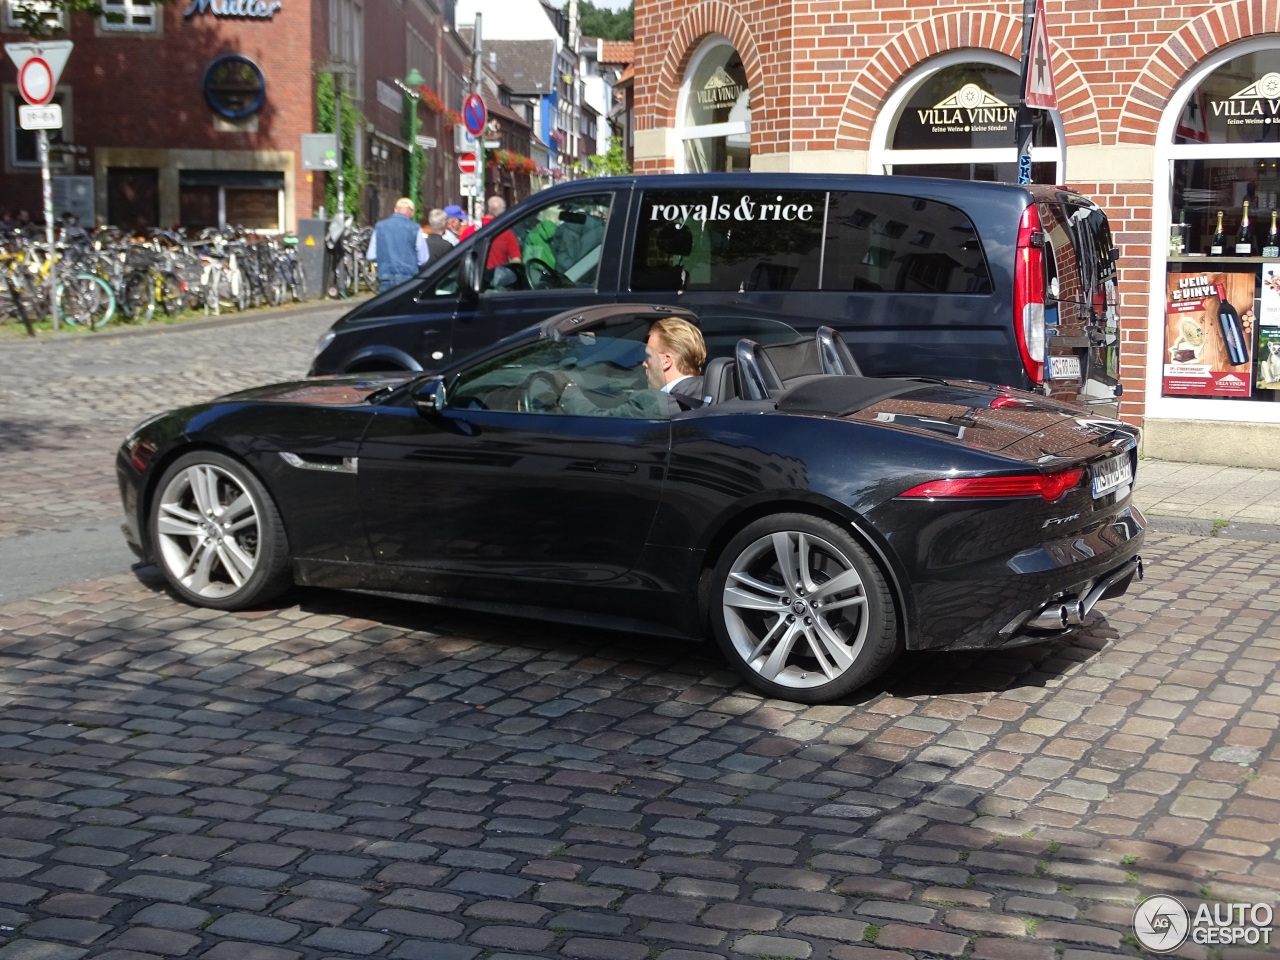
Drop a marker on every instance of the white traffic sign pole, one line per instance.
(47, 186)
(39, 67)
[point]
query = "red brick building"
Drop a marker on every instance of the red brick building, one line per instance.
(1167, 115)
(193, 112)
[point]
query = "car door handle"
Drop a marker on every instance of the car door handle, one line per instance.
(615, 466)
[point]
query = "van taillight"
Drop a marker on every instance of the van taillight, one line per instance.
(1028, 294)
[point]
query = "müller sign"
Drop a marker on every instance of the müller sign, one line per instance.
(261, 9)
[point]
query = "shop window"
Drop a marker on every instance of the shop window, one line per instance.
(130, 16)
(1221, 336)
(230, 198)
(957, 118)
(715, 112)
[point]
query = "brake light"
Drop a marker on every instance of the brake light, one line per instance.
(1048, 486)
(1028, 294)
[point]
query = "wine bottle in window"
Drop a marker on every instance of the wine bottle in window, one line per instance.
(1272, 247)
(1218, 245)
(1244, 236)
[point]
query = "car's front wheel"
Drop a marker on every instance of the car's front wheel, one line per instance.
(218, 535)
(801, 611)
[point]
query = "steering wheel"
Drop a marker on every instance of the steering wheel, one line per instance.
(542, 392)
(543, 276)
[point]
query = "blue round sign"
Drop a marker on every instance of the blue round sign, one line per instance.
(474, 114)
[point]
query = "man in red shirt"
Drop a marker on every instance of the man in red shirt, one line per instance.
(504, 247)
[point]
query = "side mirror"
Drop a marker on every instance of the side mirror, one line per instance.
(469, 276)
(429, 397)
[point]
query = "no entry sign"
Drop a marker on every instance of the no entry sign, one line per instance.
(39, 67)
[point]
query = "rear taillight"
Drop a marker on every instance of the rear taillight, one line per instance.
(1049, 486)
(1028, 295)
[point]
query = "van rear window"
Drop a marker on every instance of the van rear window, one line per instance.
(889, 242)
(791, 240)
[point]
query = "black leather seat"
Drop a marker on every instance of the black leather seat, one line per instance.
(717, 381)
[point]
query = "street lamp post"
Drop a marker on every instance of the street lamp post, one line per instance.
(412, 89)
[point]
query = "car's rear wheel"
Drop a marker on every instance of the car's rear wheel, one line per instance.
(800, 609)
(217, 533)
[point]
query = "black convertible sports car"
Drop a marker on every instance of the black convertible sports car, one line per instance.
(816, 521)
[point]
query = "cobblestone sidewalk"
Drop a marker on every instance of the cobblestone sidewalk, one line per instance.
(357, 777)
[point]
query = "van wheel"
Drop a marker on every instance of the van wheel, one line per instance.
(801, 611)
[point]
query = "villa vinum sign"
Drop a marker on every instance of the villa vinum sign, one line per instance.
(1257, 103)
(969, 110)
(251, 9)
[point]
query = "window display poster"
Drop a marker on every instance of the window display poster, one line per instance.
(1269, 329)
(1208, 334)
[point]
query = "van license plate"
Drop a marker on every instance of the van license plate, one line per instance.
(1064, 368)
(1110, 475)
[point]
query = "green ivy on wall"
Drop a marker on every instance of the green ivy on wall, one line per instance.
(352, 172)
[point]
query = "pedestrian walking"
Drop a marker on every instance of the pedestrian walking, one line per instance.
(437, 243)
(454, 219)
(397, 246)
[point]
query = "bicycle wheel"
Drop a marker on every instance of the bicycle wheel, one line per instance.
(169, 293)
(297, 282)
(137, 301)
(85, 300)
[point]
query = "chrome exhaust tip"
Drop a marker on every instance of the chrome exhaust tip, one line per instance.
(1052, 617)
(1074, 612)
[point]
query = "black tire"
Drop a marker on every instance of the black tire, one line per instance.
(782, 633)
(137, 302)
(217, 534)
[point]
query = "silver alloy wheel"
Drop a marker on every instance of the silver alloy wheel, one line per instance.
(207, 527)
(795, 609)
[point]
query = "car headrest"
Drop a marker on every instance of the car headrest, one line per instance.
(718, 381)
(674, 240)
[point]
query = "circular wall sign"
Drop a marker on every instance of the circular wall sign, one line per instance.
(234, 86)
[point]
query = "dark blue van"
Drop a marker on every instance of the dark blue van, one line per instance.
(1008, 284)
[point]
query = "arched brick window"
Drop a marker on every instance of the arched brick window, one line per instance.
(713, 115)
(955, 117)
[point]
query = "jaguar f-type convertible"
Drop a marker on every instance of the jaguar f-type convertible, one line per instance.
(815, 521)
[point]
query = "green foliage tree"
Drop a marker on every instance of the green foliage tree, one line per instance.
(605, 24)
(352, 172)
(611, 163)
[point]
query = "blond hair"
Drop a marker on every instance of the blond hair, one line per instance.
(405, 205)
(684, 342)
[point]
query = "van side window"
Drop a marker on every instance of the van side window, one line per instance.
(734, 240)
(559, 247)
(890, 242)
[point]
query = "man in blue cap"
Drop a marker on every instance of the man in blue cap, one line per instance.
(397, 246)
(455, 218)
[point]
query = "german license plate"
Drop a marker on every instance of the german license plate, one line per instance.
(1111, 475)
(1064, 368)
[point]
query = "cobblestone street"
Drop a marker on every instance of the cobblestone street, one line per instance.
(352, 776)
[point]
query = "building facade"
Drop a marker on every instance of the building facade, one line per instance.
(1166, 116)
(193, 112)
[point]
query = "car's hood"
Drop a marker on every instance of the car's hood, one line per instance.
(1014, 423)
(323, 391)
